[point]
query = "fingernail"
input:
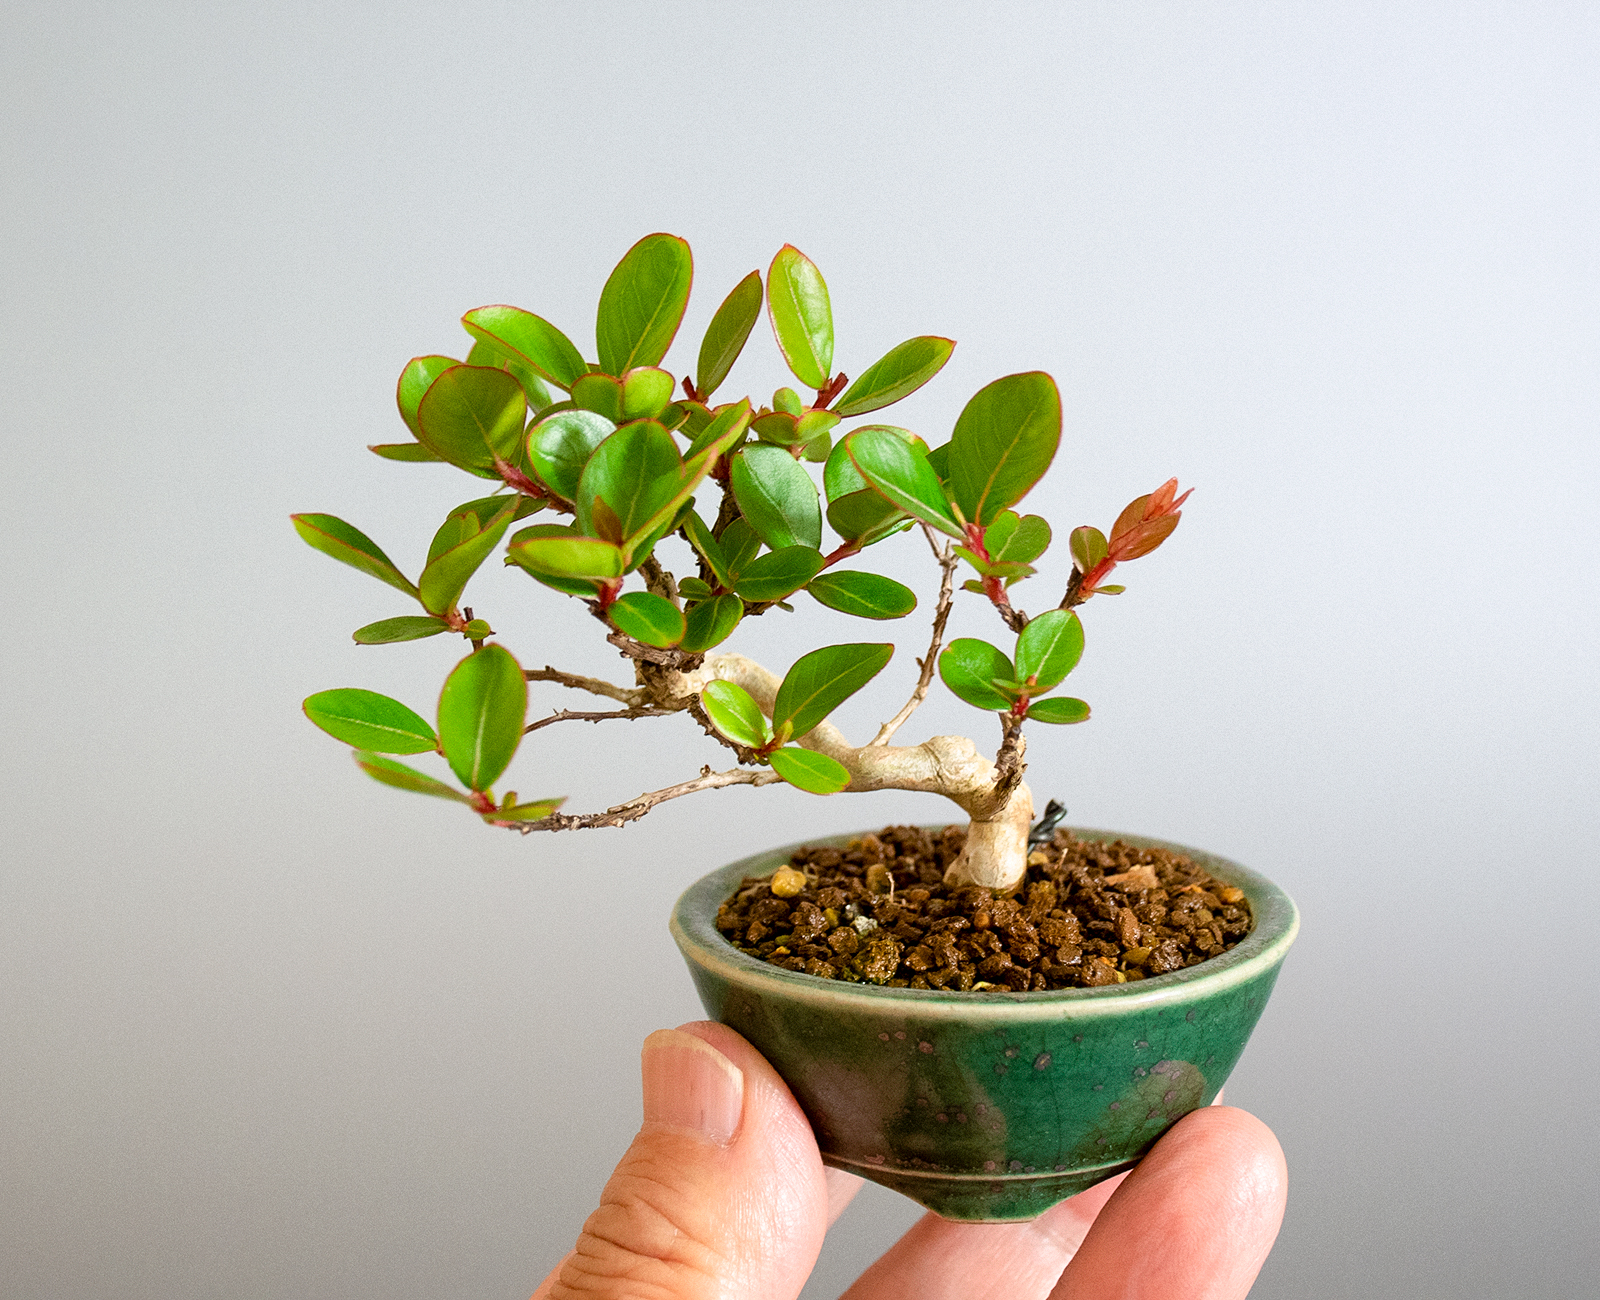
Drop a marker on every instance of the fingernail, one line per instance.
(690, 1086)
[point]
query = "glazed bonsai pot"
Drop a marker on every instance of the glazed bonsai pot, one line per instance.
(991, 1107)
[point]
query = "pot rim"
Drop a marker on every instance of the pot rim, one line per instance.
(1277, 922)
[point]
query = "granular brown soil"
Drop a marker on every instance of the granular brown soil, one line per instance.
(1086, 915)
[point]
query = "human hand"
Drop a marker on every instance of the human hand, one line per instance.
(723, 1194)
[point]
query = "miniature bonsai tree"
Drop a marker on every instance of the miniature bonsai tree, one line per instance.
(630, 477)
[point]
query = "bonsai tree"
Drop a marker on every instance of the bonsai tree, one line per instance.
(631, 477)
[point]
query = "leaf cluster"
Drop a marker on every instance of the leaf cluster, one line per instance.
(617, 458)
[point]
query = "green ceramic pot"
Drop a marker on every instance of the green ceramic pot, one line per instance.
(991, 1107)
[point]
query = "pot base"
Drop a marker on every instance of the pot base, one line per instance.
(983, 1198)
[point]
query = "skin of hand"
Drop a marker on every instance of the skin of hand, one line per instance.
(723, 1196)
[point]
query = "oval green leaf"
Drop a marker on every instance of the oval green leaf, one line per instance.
(534, 811)
(415, 379)
(778, 573)
(1004, 440)
(647, 617)
(485, 353)
(709, 548)
(402, 777)
(968, 666)
(565, 554)
(472, 415)
(634, 473)
(1048, 649)
(901, 372)
(777, 497)
(1011, 540)
(368, 720)
(643, 302)
(711, 622)
(532, 338)
(1061, 709)
(332, 536)
(646, 393)
(559, 446)
(600, 394)
(801, 316)
(740, 544)
(900, 473)
(449, 570)
(866, 595)
(859, 514)
(821, 681)
(735, 714)
(726, 335)
(482, 711)
(408, 627)
(1088, 546)
(809, 771)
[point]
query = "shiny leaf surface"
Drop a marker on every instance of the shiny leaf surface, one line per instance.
(969, 666)
(1004, 440)
(866, 595)
(900, 473)
(778, 574)
(801, 316)
(901, 372)
(368, 720)
(809, 771)
(735, 714)
(647, 617)
(403, 777)
(482, 711)
(1048, 649)
(821, 681)
(532, 338)
(333, 537)
(643, 302)
(777, 497)
(726, 335)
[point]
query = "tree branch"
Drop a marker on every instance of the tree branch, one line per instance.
(1008, 764)
(622, 694)
(947, 562)
(634, 809)
(568, 715)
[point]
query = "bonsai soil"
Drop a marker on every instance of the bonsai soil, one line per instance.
(1086, 915)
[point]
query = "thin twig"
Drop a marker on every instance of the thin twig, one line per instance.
(568, 715)
(658, 579)
(634, 809)
(622, 694)
(941, 616)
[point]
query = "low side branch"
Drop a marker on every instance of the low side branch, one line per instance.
(570, 715)
(941, 616)
(623, 813)
(631, 696)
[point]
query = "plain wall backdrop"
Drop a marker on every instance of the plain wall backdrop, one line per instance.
(268, 1029)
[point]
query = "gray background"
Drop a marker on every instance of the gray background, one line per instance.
(270, 1030)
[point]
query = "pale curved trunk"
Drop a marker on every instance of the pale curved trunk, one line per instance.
(996, 855)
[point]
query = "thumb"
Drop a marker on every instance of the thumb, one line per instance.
(722, 1192)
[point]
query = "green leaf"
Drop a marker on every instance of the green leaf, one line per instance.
(1004, 440)
(634, 472)
(565, 554)
(1016, 541)
(676, 504)
(741, 545)
(968, 666)
(468, 520)
(1063, 708)
(408, 627)
(647, 617)
(900, 473)
(701, 538)
(482, 710)
(402, 777)
(735, 415)
(559, 446)
(778, 574)
(642, 303)
(776, 427)
(409, 451)
(735, 714)
(368, 720)
(860, 514)
(904, 370)
(485, 353)
(725, 336)
(448, 570)
(535, 811)
(1089, 547)
(694, 589)
(939, 462)
(788, 401)
(821, 681)
(809, 771)
(801, 316)
(533, 339)
(332, 536)
(472, 414)
(1116, 589)
(777, 497)
(866, 595)
(711, 622)
(646, 393)
(600, 394)
(415, 379)
(1048, 649)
